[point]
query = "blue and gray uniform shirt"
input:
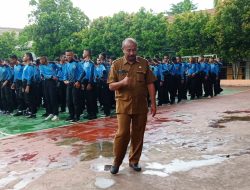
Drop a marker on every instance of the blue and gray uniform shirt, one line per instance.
(205, 67)
(28, 73)
(60, 71)
(192, 69)
(214, 69)
(18, 71)
(6, 73)
(99, 72)
(89, 69)
(73, 72)
(48, 71)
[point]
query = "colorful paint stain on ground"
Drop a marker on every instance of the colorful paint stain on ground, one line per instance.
(10, 125)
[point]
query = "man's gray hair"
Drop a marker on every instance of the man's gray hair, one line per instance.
(127, 40)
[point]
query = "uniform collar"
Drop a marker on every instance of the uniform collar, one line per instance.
(124, 60)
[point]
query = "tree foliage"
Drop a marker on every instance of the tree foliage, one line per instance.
(232, 29)
(8, 42)
(182, 7)
(54, 23)
(187, 33)
(107, 33)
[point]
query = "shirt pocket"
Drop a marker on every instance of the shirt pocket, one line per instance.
(140, 76)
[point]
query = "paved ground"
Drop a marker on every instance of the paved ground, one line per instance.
(200, 144)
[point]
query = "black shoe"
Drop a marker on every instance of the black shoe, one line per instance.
(135, 167)
(179, 100)
(86, 116)
(45, 115)
(31, 116)
(172, 102)
(69, 119)
(75, 120)
(62, 111)
(18, 113)
(90, 117)
(114, 169)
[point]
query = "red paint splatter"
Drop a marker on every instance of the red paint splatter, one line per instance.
(27, 157)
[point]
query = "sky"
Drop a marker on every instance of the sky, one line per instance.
(14, 13)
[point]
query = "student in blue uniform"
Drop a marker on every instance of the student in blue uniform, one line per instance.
(106, 94)
(214, 74)
(18, 85)
(6, 79)
(89, 85)
(164, 89)
(72, 79)
(29, 86)
(204, 75)
(48, 70)
(98, 75)
(192, 72)
(61, 87)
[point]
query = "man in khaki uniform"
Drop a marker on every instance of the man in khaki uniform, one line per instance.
(132, 80)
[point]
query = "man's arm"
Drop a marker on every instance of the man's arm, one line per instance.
(117, 85)
(151, 90)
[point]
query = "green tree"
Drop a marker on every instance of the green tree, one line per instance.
(232, 29)
(182, 7)
(54, 23)
(187, 34)
(107, 33)
(150, 30)
(8, 43)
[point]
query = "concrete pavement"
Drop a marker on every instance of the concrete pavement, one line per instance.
(199, 144)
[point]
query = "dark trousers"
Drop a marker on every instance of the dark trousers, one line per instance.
(30, 98)
(192, 85)
(106, 96)
(176, 88)
(214, 84)
(199, 90)
(20, 95)
(7, 97)
(61, 94)
(90, 99)
(51, 96)
(73, 98)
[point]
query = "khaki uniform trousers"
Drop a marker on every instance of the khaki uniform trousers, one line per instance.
(127, 132)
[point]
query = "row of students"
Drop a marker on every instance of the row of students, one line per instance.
(68, 83)
(177, 78)
(79, 84)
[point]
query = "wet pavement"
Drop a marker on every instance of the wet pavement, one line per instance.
(198, 144)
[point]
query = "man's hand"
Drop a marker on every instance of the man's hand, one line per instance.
(89, 87)
(66, 82)
(77, 84)
(126, 81)
(13, 87)
(161, 83)
(5, 83)
(153, 110)
(55, 78)
(27, 89)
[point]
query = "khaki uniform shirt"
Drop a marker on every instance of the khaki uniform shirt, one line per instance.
(133, 98)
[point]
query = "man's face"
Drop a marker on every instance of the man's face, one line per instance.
(178, 59)
(69, 56)
(165, 59)
(130, 51)
(25, 58)
(13, 61)
(85, 54)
